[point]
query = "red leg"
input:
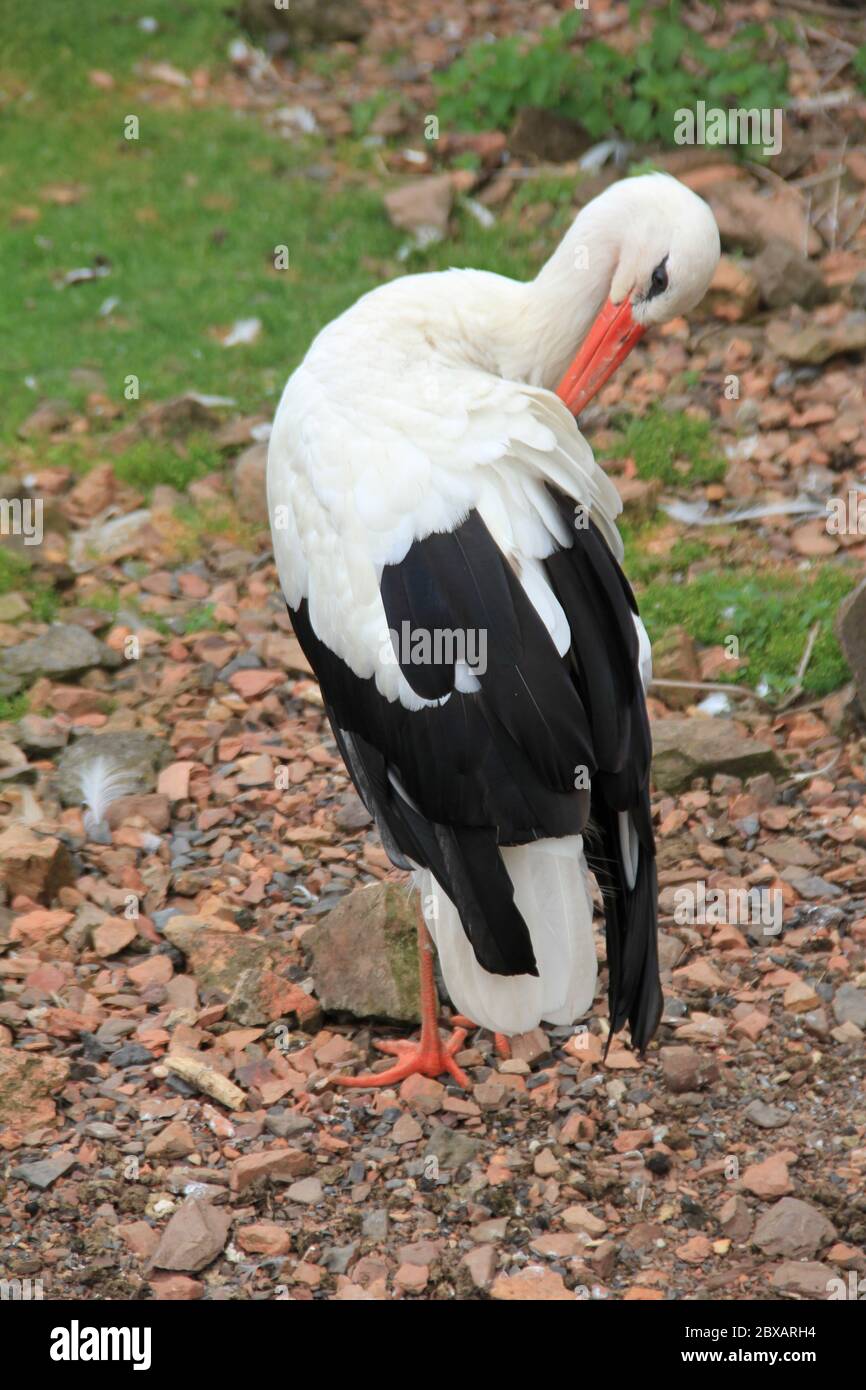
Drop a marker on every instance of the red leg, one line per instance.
(500, 1041)
(430, 1056)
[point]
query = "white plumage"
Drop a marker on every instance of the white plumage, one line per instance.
(432, 400)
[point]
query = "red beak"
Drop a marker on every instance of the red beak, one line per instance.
(609, 342)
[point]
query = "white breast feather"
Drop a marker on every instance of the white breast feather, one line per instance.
(386, 433)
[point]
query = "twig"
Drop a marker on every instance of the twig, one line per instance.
(742, 690)
(817, 771)
(825, 11)
(801, 669)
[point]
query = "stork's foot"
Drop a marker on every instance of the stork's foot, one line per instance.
(430, 1058)
(500, 1041)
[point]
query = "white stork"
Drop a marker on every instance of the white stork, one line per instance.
(447, 546)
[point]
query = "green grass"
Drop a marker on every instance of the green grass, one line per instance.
(188, 218)
(13, 707)
(642, 567)
(149, 462)
(16, 576)
(54, 45)
(672, 446)
(198, 620)
(771, 613)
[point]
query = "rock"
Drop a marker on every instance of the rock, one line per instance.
(243, 969)
(422, 207)
(46, 1171)
(451, 1148)
(364, 955)
(792, 1227)
(173, 419)
(113, 936)
(175, 1141)
(308, 1191)
(38, 735)
(534, 1284)
(248, 484)
(814, 343)
(13, 607)
(64, 650)
(808, 1280)
(353, 814)
(769, 1178)
(175, 1288)
(849, 1005)
(686, 1069)
(786, 277)
(734, 292)
(481, 1264)
(639, 497)
(530, 1047)
(766, 1116)
(264, 1238)
(107, 542)
(27, 1081)
(735, 1218)
(304, 23)
(543, 136)
(748, 220)
(152, 808)
(579, 1218)
(684, 749)
(137, 756)
(675, 658)
(194, 1236)
(279, 1165)
(37, 866)
(48, 417)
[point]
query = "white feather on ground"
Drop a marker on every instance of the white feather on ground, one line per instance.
(100, 782)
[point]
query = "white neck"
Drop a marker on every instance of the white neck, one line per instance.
(556, 310)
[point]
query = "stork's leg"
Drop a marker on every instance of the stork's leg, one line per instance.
(500, 1041)
(430, 1056)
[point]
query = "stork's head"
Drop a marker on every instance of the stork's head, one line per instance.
(664, 244)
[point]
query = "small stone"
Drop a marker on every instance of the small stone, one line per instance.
(451, 1147)
(380, 981)
(64, 650)
(175, 1288)
(46, 1170)
(766, 1116)
(308, 1192)
(407, 1130)
(735, 1218)
(769, 1178)
(36, 866)
(792, 1227)
(685, 1069)
(808, 1280)
(534, 1284)
(579, 1218)
(849, 1005)
(481, 1264)
(264, 1238)
(684, 749)
(194, 1236)
(175, 1141)
(281, 1165)
(113, 936)
(423, 206)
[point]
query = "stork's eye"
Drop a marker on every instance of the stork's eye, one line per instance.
(659, 281)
